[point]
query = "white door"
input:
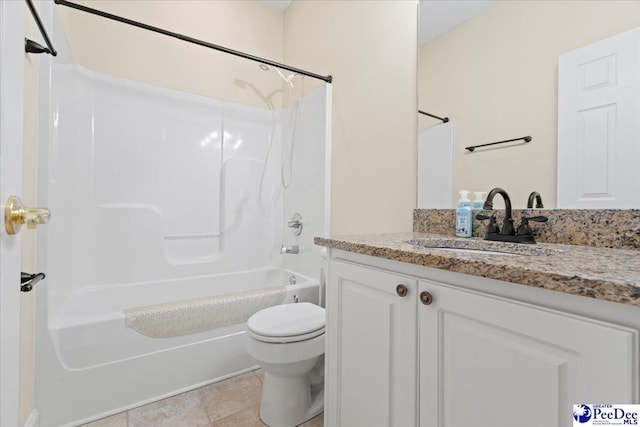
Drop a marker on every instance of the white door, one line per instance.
(487, 361)
(11, 99)
(599, 124)
(371, 348)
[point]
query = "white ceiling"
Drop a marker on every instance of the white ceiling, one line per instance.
(436, 16)
(439, 16)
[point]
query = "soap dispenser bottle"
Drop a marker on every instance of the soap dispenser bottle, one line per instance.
(464, 217)
(478, 201)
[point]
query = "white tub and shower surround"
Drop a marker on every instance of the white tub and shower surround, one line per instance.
(154, 195)
(310, 182)
(138, 174)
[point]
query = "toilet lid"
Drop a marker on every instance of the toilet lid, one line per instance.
(287, 320)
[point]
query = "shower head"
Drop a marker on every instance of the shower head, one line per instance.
(286, 79)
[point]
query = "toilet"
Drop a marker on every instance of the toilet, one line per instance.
(287, 341)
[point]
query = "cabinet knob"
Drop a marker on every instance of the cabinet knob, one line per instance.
(402, 290)
(426, 298)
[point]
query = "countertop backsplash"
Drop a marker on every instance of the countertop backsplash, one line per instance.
(604, 228)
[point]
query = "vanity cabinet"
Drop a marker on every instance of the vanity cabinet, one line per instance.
(372, 348)
(490, 361)
(449, 355)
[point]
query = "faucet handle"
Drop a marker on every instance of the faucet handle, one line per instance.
(525, 229)
(493, 226)
(537, 218)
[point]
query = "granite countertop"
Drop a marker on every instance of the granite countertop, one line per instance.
(601, 273)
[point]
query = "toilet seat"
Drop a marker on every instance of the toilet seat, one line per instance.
(284, 340)
(287, 323)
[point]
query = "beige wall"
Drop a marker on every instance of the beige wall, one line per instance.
(496, 77)
(129, 52)
(370, 49)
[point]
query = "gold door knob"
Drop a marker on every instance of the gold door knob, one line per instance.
(16, 214)
(402, 290)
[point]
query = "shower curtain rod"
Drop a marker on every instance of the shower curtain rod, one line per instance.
(82, 8)
(444, 120)
(30, 45)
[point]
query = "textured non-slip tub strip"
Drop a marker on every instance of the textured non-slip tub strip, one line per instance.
(201, 314)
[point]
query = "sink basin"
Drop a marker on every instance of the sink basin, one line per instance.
(486, 247)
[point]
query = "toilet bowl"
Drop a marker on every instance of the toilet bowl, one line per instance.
(287, 341)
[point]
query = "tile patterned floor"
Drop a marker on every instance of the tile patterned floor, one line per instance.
(231, 403)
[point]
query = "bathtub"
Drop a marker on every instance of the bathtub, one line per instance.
(91, 343)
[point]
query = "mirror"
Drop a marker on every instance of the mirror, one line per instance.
(495, 77)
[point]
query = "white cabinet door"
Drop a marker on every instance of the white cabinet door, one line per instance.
(599, 124)
(371, 349)
(486, 361)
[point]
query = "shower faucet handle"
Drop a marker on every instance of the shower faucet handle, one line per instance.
(295, 224)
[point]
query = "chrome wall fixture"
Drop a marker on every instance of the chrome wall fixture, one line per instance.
(295, 224)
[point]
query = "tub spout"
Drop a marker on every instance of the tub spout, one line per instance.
(290, 249)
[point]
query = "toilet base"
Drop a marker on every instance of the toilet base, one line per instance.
(290, 401)
(298, 404)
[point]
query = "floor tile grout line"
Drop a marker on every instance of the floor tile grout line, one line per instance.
(200, 393)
